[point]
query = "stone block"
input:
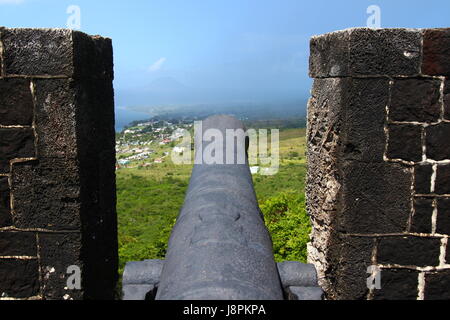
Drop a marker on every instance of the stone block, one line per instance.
(46, 194)
(436, 138)
(346, 117)
(447, 257)
(74, 119)
(1, 56)
(15, 143)
(436, 48)
(409, 251)
(19, 278)
(375, 198)
(405, 142)
(17, 244)
(415, 100)
(56, 52)
(5, 211)
(329, 55)
(422, 178)
(363, 105)
(437, 285)
(443, 217)
(57, 253)
(447, 100)
(423, 212)
(16, 102)
(349, 259)
(442, 183)
(398, 284)
(93, 56)
(56, 109)
(364, 51)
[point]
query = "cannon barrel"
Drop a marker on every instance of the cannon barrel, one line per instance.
(220, 248)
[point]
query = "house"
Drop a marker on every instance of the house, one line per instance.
(178, 149)
(254, 170)
(123, 162)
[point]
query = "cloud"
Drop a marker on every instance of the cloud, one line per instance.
(157, 65)
(11, 1)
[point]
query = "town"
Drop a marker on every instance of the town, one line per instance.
(149, 142)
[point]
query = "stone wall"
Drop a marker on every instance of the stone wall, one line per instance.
(57, 157)
(378, 188)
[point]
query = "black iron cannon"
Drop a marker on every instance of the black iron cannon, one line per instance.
(219, 248)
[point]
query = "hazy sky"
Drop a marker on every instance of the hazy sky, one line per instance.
(243, 49)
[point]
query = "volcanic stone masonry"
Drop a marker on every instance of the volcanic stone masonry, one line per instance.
(378, 185)
(57, 157)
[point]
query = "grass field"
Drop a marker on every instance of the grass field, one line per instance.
(149, 198)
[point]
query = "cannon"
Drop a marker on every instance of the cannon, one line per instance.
(220, 248)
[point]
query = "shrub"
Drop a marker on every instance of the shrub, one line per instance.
(289, 225)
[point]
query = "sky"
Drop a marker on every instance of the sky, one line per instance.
(215, 51)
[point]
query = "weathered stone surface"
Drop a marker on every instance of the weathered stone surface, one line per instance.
(398, 284)
(409, 251)
(394, 52)
(18, 244)
(415, 100)
(350, 257)
(47, 194)
(5, 214)
(37, 52)
(435, 137)
(437, 285)
(56, 107)
(93, 56)
(375, 198)
(1, 56)
(436, 48)
(96, 133)
(352, 189)
(322, 184)
(447, 100)
(329, 55)
(19, 278)
(447, 257)
(56, 52)
(70, 187)
(57, 252)
(363, 51)
(443, 217)
(397, 146)
(363, 104)
(16, 102)
(422, 178)
(15, 143)
(442, 183)
(423, 211)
